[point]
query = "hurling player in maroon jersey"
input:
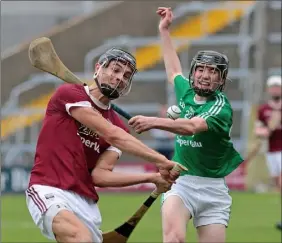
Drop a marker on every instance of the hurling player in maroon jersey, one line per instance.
(274, 136)
(80, 141)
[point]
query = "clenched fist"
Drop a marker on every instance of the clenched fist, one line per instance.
(141, 123)
(161, 184)
(166, 18)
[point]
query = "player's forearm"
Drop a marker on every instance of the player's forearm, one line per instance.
(180, 126)
(116, 136)
(129, 144)
(106, 178)
(171, 60)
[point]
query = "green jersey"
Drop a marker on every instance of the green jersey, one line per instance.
(210, 153)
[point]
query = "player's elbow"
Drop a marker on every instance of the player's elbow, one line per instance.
(193, 126)
(184, 129)
(109, 134)
(197, 125)
(189, 131)
(98, 177)
(114, 136)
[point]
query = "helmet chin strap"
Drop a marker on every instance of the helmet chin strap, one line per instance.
(108, 91)
(105, 89)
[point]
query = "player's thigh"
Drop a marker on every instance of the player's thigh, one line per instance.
(67, 227)
(211, 233)
(45, 204)
(214, 203)
(175, 217)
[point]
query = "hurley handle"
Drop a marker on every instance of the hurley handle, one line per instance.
(121, 112)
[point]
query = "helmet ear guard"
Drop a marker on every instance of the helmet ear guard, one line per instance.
(119, 55)
(209, 58)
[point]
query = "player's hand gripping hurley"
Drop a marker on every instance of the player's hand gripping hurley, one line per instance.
(123, 232)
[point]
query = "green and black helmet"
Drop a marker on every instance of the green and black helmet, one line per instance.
(211, 59)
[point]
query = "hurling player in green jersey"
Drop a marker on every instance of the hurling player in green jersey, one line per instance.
(202, 143)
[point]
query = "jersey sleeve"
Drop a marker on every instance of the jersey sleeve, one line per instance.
(181, 85)
(69, 96)
(218, 116)
(114, 149)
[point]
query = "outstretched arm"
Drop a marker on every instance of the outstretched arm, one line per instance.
(115, 135)
(122, 140)
(104, 176)
(182, 126)
(171, 60)
(179, 126)
(218, 120)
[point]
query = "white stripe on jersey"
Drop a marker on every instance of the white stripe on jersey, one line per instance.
(77, 104)
(215, 109)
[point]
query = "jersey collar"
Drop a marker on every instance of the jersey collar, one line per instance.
(199, 102)
(95, 101)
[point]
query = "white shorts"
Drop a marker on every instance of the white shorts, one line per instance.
(273, 160)
(45, 202)
(207, 199)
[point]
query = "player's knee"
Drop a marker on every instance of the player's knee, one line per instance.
(68, 228)
(76, 234)
(81, 236)
(173, 236)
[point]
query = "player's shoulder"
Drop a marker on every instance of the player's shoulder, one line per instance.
(69, 87)
(71, 90)
(220, 99)
(179, 78)
(217, 106)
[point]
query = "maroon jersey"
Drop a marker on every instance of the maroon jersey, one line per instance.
(275, 139)
(67, 151)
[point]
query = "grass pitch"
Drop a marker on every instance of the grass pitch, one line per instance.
(252, 219)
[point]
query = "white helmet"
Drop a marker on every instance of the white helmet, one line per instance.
(274, 80)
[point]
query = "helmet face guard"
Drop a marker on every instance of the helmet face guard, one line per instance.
(211, 62)
(114, 76)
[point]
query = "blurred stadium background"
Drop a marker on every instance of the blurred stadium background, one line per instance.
(249, 32)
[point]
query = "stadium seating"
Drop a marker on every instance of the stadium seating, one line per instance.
(146, 56)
